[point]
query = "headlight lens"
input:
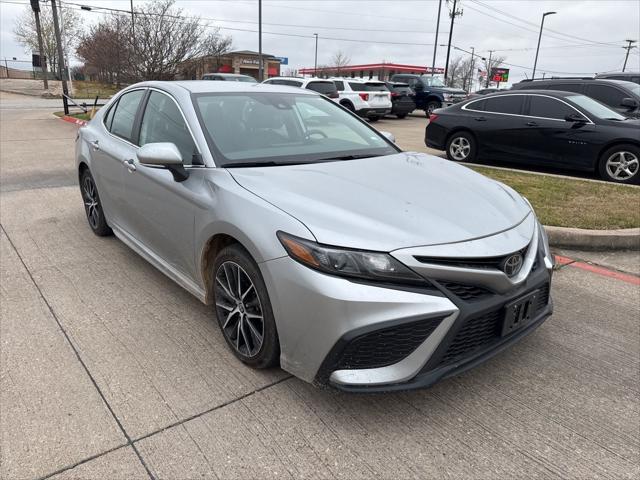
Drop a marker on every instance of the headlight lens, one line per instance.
(364, 265)
(448, 96)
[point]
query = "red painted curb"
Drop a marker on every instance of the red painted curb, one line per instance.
(77, 121)
(605, 272)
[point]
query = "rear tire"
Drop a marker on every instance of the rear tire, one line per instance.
(461, 147)
(373, 119)
(401, 115)
(621, 164)
(243, 308)
(431, 106)
(93, 205)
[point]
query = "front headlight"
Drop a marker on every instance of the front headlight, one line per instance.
(360, 264)
(448, 96)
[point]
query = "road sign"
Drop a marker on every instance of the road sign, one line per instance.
(283, 60)
(499, 74)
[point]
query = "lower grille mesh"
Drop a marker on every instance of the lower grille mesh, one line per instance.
(465, 292)
(386, 346)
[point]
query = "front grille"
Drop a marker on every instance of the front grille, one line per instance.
(386, 346)
(465, 292)
(480, 331)
(477, 263)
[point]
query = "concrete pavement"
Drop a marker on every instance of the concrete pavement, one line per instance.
(109, 370)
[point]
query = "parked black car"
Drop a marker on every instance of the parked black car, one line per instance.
(431, 92)
(402, 99)
(626, 76)
(543, 127)
(623, 97)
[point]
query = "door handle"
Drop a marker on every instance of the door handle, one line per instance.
(532, 124)
(131, 166)
(96, 145)
(480, 119)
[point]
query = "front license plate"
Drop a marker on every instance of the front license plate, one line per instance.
(519, 313)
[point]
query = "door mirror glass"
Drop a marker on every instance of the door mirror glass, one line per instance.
(389, 136)
(629, 102)
(575, 117)
(161, 154)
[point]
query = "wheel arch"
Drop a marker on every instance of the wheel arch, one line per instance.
(610, 145)
(82, 167)
(346, 103)
(458, 130)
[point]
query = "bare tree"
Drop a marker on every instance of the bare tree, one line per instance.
(26, 34)
(339, 61)
(458, 71)
(102, 49)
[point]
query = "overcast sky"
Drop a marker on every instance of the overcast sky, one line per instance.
(584, 37)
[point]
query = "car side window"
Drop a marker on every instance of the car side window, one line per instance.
(566, 87)
(163, 122)
(608, 95)
(339, 85)
(546, 107)
(108, 118)
(125, 114)
(511, 104)
(478, 105)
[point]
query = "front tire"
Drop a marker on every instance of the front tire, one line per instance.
(243, 308)
(621, 164)
(461, 147)
(431, 106)
(93, 206)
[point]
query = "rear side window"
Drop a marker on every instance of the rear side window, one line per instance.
(608, 95)
(402, 89)
(546, 107)
(322, 87)
(163, 122)
(358, 87)
(288, 83)
(109, 116)
(477, 105)
(125, 114)
(507, 104)
(339, 85)
(376, 87)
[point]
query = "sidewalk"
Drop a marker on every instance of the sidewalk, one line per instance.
(33, 88)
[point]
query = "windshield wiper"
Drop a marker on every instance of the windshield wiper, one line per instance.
(252, 164)
(349, 157)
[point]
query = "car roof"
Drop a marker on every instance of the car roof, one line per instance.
(199, 86)
(532, 91)
(230, 75)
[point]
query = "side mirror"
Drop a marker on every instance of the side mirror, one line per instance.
(163, 154)
(389, 136)
(629, 102)
(575, 118)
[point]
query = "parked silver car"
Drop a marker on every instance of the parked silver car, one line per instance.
(320, 245)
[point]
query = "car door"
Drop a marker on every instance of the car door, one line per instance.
(110, 149)
(161, 210)
(498, 126)
(552, 139)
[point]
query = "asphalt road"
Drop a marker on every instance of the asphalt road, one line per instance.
(109, 370)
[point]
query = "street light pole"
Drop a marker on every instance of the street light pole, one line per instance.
(56, 28)
(315, 62)
(535, 63)
(628, 49)
(435, 43)
(454, 13)
(260, 66)
(35, 5)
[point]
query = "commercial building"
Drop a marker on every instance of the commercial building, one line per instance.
(381, 71)
(242, 61)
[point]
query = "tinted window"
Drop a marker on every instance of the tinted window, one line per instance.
(288, 83)
(357, 87)
(322, 87)
(608, 95)
(506, 104)
(163, 122)
(125, 114)
(339, 85)
(566, 87)
(549, 108)
(477, 105)
(376, 87)
(109, 116)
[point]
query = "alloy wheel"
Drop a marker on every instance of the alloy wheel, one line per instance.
(622, 165)
(91, 201)
(460, 148)
(239, 309)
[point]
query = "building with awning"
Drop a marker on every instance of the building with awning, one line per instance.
(381, 71)
(245, 62)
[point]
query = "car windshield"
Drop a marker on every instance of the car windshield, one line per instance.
(265, 128)
(432, 81)
(376, 87)
(594, 107)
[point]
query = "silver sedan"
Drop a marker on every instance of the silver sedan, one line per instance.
(320, 245)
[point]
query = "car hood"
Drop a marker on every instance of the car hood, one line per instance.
(390, 202)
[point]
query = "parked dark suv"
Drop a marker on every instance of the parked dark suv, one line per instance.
(402, 99)
(621, 96)
(626, 76)
(430, 92)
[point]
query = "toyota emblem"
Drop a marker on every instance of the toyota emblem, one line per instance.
(512, 264)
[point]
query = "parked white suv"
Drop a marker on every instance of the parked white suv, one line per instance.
(367, 98)
(320, 85)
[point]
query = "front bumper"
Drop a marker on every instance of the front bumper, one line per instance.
(362, 337)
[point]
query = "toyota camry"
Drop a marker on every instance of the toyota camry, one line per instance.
(320, 245)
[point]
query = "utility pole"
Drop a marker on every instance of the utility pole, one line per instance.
(453, 14)
(535, 63)
(56, 27)
(315, 62)
(435, 43)
(35, 6)
(133, 22)
(260, 66)
(488, 72)
(628, 49)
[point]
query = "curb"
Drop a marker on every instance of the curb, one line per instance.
(582, 239)
(76, 121)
